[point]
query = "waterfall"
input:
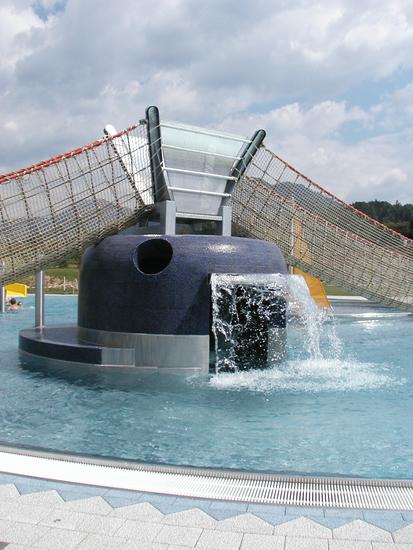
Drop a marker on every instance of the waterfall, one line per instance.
(316, 323)
(249, 319)
(309, 356)
(250, 313)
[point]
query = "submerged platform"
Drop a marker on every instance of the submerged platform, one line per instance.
(140, 351)
(62, 343)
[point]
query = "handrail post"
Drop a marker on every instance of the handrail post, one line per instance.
(2, 299)
(39, 300)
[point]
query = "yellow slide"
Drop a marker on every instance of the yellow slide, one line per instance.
(316, 288)
(16, 290)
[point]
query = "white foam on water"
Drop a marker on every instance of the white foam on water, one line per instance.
(310, 375)
(319, 363)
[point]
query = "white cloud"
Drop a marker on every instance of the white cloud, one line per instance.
(16, 23)
(294, 68)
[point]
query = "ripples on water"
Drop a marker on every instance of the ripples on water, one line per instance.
(339, 404)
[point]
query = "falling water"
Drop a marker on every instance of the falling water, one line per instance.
(317, 322)
(249, 319)
(309, 355)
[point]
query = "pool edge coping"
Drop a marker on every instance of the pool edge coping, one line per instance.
(208, 483)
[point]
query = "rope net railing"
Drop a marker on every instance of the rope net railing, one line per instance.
(53, 210)
(322, 235)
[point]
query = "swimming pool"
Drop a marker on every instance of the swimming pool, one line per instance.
(345, 412)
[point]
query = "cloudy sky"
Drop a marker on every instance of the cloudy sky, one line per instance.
(330, 81)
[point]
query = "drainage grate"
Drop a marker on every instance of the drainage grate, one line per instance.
(208, 483)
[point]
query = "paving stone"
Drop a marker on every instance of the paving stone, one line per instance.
(343, 513)
(349, 545)
(390, 521)
(139, 530)
(219, 540)
(191, 518)
(307, 511)
(303, 527)
(98, 542)
(186, 503)
(238, 507)
(361, 530)
(405, 534)
(88, 490)
(73, 494)
(101, 525)
(59, 538)
(80, 492)
(392, 546)
(122, 498)
(299, 543)
(266, 509)
(7, 478)
(7, 507)
(117, 502)
(8, 492)
(26, 513)
(273, 519)
(220, 514)
(372, 515)
(21, 533)
(43, 498)
(141, 512)
(64, 486)
(27, 486)
(252, 541)
(166, 508)
(158, 499)
(332, 522)
(163, 503)
(245, 523)
(172, 534)
(62, 519)
(14, 546)
(92, 505)
(158, 546)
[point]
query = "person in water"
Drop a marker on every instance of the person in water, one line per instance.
(13, 305)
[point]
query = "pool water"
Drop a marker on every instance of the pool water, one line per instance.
(344, 410)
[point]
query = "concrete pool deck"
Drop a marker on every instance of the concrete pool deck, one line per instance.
(43, 514)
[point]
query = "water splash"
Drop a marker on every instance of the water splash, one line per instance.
(317, 323)
(311, 375)
(316, 361)
(249, 318)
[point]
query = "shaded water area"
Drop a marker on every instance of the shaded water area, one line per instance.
(339, 403)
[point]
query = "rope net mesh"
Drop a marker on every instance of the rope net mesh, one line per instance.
(52, 211)
(322, 235)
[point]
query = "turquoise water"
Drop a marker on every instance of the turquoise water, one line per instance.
(346, 410)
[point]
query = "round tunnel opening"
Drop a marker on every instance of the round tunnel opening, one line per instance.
(153, 256)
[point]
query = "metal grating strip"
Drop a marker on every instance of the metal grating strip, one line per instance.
(209, 483)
